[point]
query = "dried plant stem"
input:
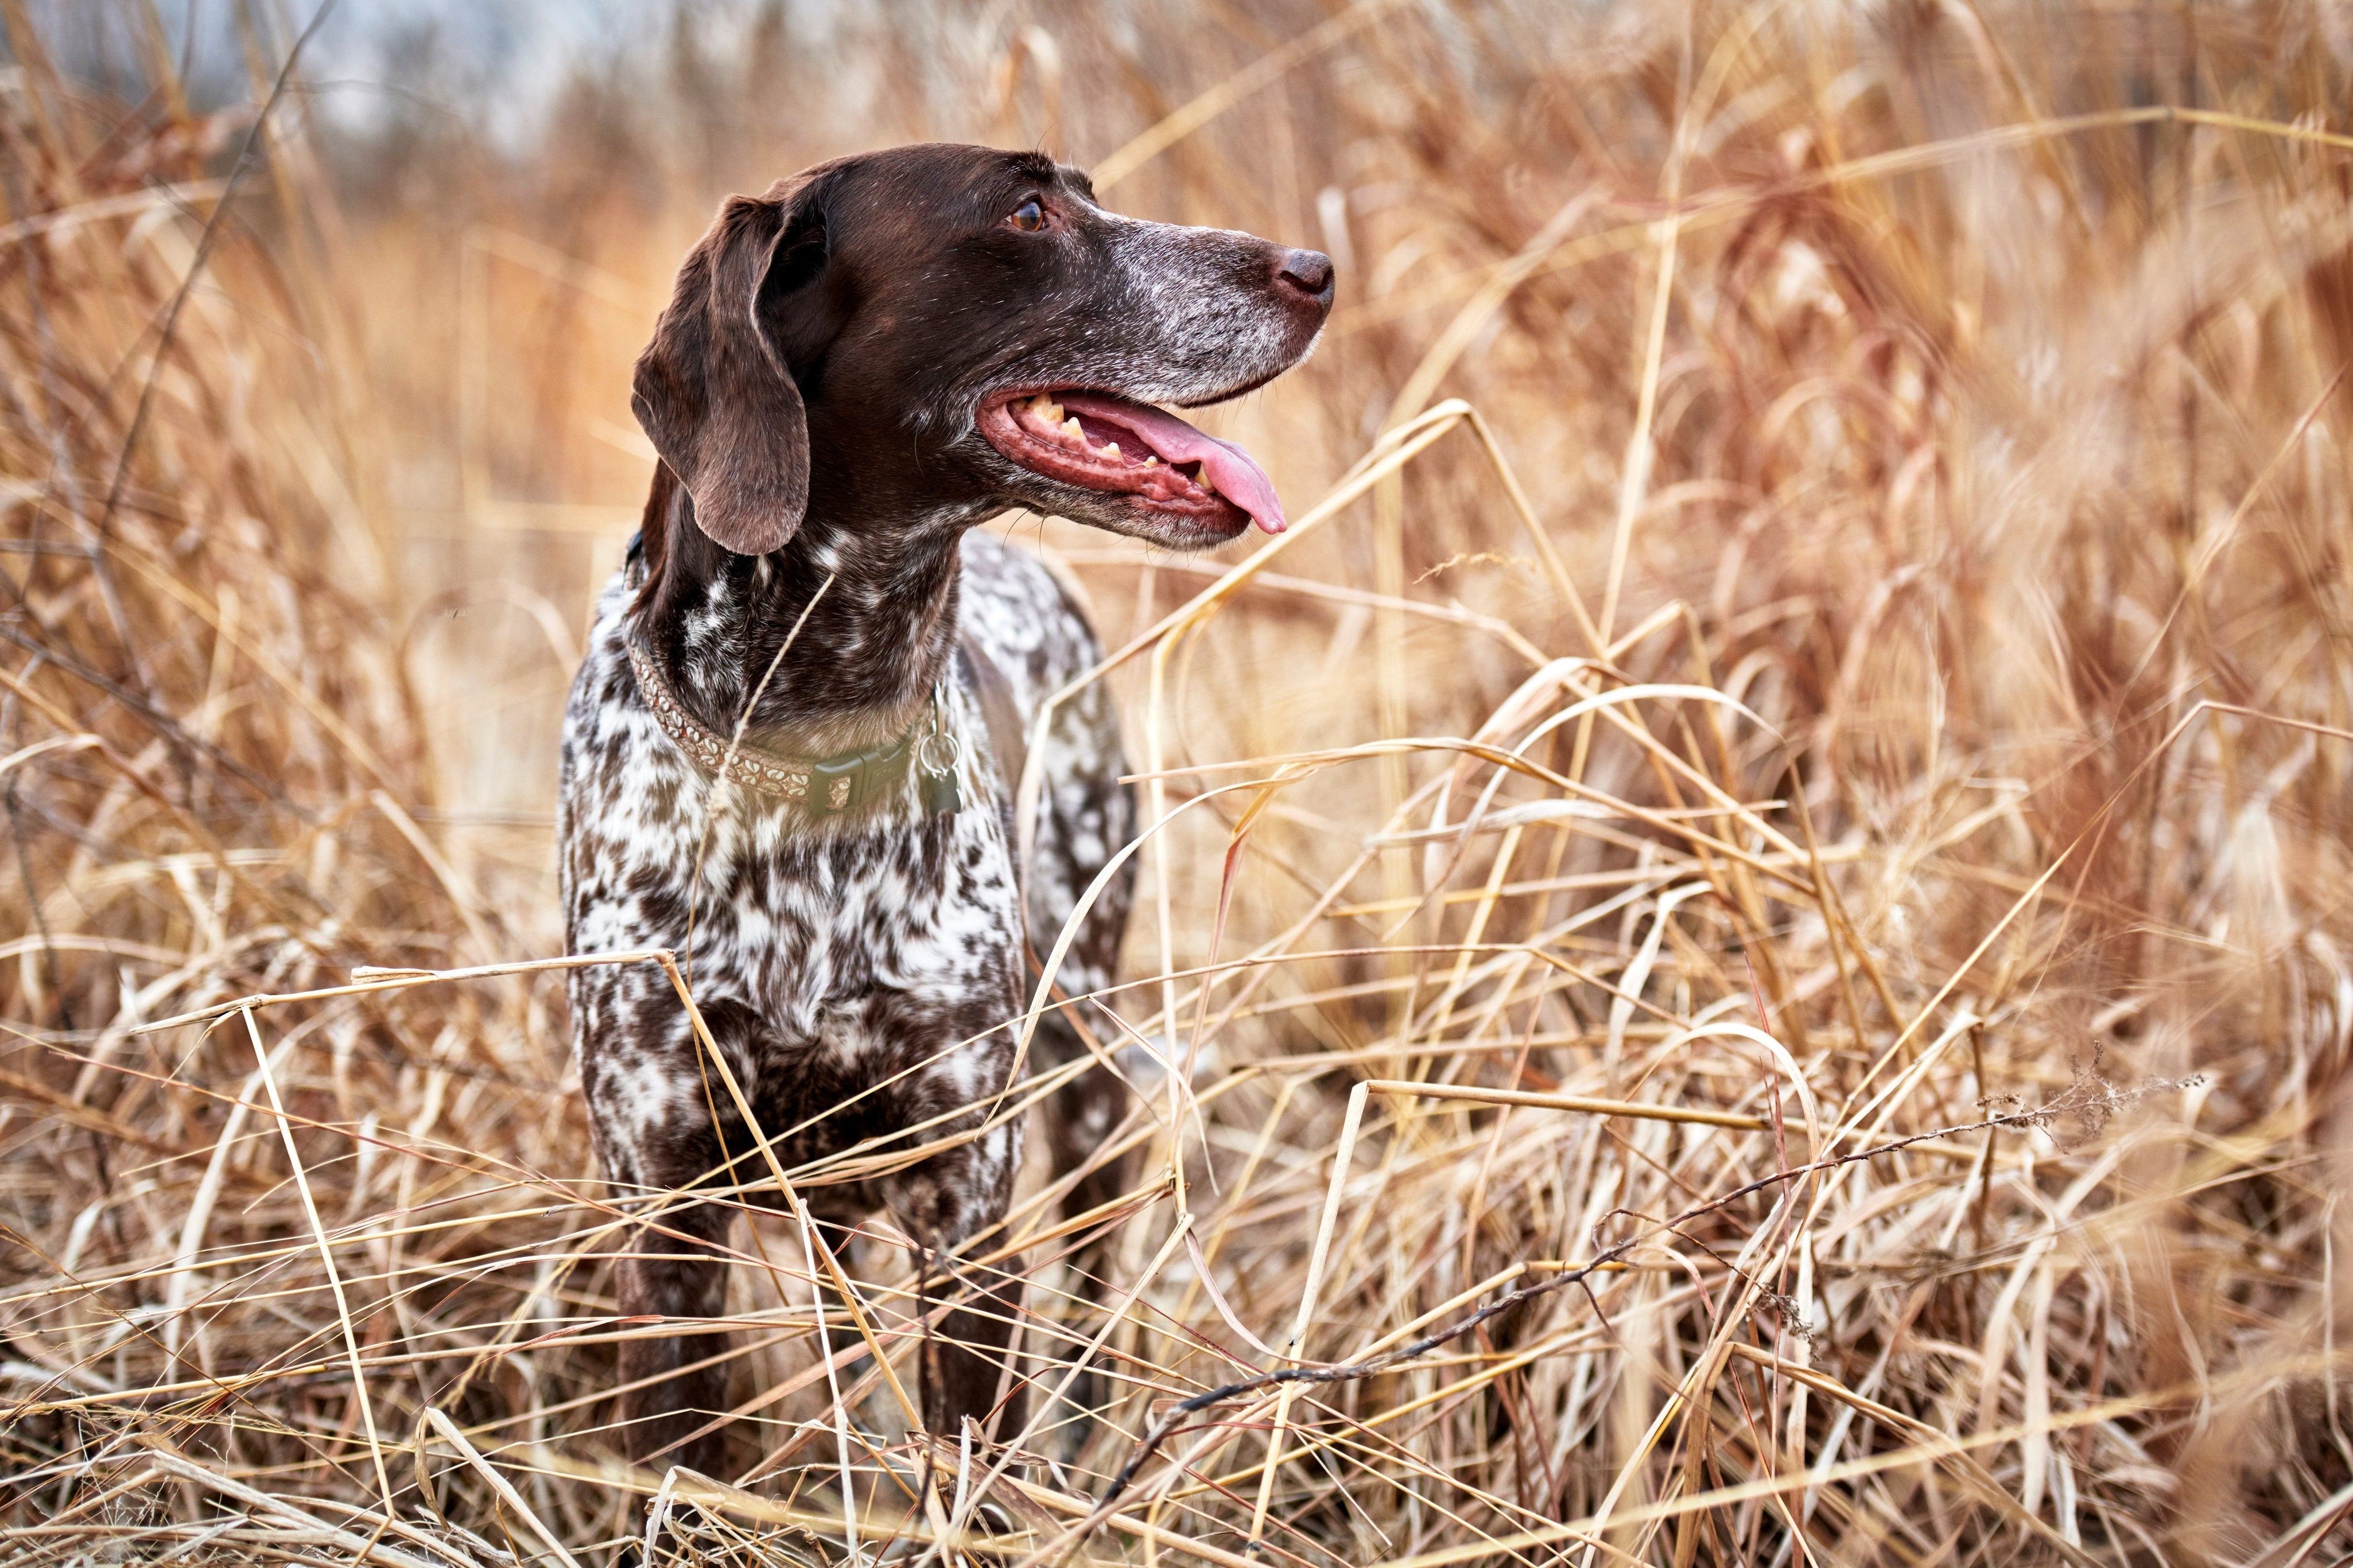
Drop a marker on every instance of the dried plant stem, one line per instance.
(326, 1259)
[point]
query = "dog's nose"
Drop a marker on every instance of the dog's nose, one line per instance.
(1307, 273)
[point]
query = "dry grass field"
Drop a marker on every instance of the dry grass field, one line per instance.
(1745, 954)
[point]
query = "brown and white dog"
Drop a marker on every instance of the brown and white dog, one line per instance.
(855, 369)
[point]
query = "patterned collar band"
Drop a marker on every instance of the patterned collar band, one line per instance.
(823, 786)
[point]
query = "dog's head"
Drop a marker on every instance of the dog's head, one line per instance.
(940, 330)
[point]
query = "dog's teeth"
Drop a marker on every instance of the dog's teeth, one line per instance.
(1052, 412)
(1111, 450)
(1150, 461)
(1201, 477)
(1071, 428)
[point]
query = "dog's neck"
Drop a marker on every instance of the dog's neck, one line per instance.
(874, 602)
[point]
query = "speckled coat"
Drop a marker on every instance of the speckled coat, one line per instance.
(830, 955)
(857, 971)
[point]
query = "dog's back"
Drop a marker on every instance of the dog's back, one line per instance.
(1028, 624)
(1030, 629)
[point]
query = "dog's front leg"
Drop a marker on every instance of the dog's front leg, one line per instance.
(674, 1383)
(658, 1144)
(970, 1358)
(973, 1369)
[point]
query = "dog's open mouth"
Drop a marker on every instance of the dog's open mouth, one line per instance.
(1104, 442)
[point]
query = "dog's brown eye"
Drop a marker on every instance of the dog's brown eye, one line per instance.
(1028, 217)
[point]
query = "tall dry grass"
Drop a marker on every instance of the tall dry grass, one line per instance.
(1826, 635)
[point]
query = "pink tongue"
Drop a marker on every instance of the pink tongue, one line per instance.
(1237, 476)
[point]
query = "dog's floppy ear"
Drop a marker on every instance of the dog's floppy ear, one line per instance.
(713, 390)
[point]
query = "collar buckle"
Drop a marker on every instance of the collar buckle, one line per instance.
(837, 784)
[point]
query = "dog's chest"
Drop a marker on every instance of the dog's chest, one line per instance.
(801, 920)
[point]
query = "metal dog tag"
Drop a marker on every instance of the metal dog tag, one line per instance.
(936, 759)
(942, 796)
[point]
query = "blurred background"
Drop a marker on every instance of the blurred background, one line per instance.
(1954, 386)
(492, 198)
